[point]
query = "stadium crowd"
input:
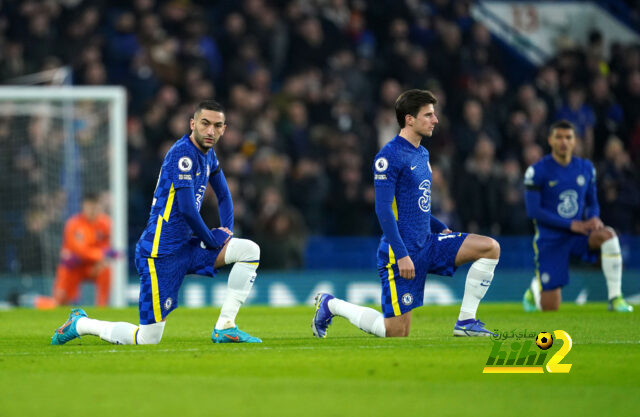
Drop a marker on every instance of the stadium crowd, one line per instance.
(310, 87)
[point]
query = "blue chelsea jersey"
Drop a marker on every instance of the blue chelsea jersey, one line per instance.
(567, 193)
(183, 166)
(403, 169)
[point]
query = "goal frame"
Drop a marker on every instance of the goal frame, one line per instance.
(116, 98)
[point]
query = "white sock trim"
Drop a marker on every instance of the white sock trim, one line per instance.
(611, 246)
(150, 334)
(485, 265)
(242, 250)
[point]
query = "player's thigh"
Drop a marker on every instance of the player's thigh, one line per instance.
(160, 281)
(398, 326)
(581, 248)
(440, 252)
(400, 295)
(205, 261)
(552, 263)
(475, 247)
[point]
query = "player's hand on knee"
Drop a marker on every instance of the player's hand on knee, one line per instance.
(226, 230)
(579, 226)
(407, 270)
(595, 223)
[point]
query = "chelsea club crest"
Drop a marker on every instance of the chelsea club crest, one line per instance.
(407, 299)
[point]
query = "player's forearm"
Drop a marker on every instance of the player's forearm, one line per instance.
(436, 225)
(87, 254)
(187, 205)
(536, 212)
(388, 223)
(592, 208)
(225, 203)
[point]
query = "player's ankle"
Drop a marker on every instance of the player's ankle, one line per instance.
(227, 325)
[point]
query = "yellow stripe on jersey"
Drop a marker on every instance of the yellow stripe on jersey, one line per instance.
(165, 217)
(155, 292)
(392, 280)
(536, 251)
(394, 207)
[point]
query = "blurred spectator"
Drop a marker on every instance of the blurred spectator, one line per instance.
(581, 115)
(608, 114)
(620, 188)
(280, 232)
(479, 198)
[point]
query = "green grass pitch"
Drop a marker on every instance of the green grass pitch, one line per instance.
(293, 374)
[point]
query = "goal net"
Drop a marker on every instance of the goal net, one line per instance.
(58, 143)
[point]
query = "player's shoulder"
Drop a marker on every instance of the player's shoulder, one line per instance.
(584, 163)
(536, 170)
(75, 220)
(390, 152)
(182, 145)
(182, 154)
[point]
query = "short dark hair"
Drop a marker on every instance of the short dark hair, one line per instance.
(411, 101)
(91, 196)
(562, 124)
(209, 105)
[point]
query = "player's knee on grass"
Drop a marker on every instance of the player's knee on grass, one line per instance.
(150, 334)
(242, 250)
(550, 300)
(396, 328)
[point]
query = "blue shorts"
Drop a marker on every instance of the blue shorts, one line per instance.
(552, 258)
(161, 278)
(438, 256)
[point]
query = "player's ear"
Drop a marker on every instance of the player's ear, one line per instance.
(408, 120)
(192, 123)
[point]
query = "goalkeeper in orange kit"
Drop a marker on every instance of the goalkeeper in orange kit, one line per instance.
(85, 254)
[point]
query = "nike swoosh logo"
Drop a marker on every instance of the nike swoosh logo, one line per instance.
(482, 285)
(412, 168)
(197, 174)
(234, 338)
(553, 183)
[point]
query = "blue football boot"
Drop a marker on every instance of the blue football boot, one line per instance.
(323, 317)
(68, 331)
(233, 335)
(471, 328)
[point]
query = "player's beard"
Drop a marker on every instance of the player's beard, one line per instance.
(200, 140)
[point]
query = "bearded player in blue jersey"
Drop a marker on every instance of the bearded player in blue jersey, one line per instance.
(168, 249)
(561, 199)
(414, 242)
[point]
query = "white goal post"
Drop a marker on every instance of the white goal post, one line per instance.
(64, 100)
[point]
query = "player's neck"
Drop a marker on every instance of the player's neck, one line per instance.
(195, 143)
(562, 160)
(410, 136)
